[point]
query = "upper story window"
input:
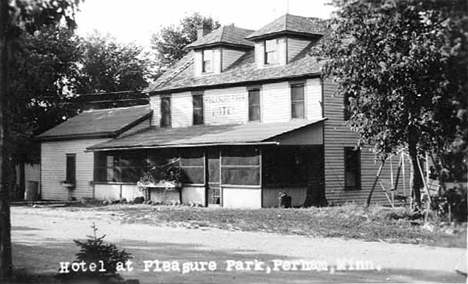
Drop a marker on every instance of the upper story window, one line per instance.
(352, 168)
(165, 111)
(297, 101)
(197, 100)
(271, 51)
(207, 61)
(254, 104)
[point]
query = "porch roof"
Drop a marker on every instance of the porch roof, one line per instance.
(101, 123)
(204, 135)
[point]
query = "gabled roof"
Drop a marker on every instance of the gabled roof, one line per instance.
(226, 35)
(98, 123)
(182, 76)
(204, 135)
(290, 24)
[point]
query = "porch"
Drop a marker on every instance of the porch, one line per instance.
(249, 173)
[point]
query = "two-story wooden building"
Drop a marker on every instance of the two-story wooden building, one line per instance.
(245, 114)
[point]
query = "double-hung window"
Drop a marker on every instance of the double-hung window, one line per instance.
(207, 61)
(165, 111)
(254, 104)
(297, 100)
(271, 51)
(197, 100)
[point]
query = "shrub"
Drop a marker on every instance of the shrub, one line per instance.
(94, 250)
(452, 204)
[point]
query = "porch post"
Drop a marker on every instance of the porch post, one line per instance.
(206, 176)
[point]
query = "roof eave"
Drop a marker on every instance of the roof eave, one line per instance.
(284, 33)
(105, 134)
(136, 147)
(220, 44)
(225, 85)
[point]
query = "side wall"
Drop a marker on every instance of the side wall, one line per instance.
(337, 136)
(53, 160)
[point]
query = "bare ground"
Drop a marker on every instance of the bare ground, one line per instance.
(43, 237)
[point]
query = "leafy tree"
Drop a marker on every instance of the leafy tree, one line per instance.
(109, 66)
(170, 42)
(17, 17)
(42, 78)
(403, 65)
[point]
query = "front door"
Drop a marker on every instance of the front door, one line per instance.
(214, 170)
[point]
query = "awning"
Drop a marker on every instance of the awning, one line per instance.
(205, 135)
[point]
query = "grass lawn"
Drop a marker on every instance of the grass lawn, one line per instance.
(348, 221)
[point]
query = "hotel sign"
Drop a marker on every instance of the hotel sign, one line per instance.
(225, 105)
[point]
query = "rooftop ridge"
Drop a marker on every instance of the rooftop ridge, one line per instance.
(175, 73)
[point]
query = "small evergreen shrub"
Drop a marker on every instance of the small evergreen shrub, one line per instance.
(94, 250)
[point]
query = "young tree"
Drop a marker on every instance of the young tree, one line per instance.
(170, 42)
(109, 66)
(403, 66)
(17, 17)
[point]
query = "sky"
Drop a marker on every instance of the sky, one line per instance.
(136, 20)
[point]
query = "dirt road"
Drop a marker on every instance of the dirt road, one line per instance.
(43, 237)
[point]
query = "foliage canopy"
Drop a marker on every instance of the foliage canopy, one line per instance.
(402, 66)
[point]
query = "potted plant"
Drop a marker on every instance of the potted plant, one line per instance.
(169, 178)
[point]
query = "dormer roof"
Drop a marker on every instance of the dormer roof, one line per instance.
(290, 25)
(230, 36)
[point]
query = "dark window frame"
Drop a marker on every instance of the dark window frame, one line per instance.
(346, 111)
(198, 111)
(166, 118)
(70, 171)
(251, 107)
(352, 167)
(294, 101)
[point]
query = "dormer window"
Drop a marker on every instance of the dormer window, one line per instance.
(271, 51)
(166, 112)
(207, 61)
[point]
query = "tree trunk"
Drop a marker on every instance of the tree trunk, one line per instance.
(5, 226)
(416, 175)
(22, 181)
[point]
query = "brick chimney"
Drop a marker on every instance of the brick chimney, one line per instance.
(202, 31)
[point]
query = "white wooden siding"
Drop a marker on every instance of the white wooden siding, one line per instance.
(295, 46)
(259, 54)
(313, 98)
(337, 136)
(282, 51)
(276, 102)
(238, 197)
(237, 107)
(217, 60)
(182, 109)
(197, 62)
(53, 164)
(230, 56)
